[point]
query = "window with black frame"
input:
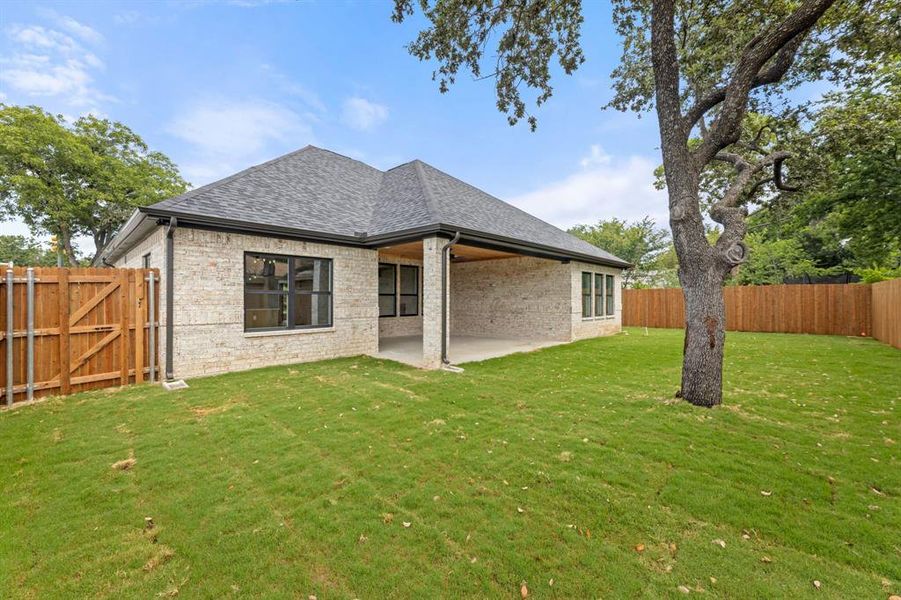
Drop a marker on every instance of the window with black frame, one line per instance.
(409, 290)
(286, 292)
(586, 295)
(387, 290)
(598, 295)
(610, 300)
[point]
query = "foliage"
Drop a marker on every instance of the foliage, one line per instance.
(296, 480)
(877, 274)
(528, 37)
(772, 261)
(25, 251)
(847, 214)
(640, 243)
(83, 179)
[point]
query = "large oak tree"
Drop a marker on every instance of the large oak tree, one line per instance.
(702, 65)
(83, 178)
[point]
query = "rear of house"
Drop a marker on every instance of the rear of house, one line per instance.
(315, 255)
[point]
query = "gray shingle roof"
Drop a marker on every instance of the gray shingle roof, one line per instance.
(320, 191)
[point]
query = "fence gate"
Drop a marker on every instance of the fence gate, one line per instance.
(68, 330)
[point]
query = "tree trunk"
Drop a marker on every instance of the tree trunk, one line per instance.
(705, 335)
(65, 241)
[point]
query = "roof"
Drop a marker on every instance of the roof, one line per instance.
(320, 194)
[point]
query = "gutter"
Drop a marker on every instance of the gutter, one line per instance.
(445, 251)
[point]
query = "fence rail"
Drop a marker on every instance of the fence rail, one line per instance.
(828, 309)
(70, 330)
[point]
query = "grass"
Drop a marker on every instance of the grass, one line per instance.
(557, 465)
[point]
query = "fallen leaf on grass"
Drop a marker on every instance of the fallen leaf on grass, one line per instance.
(684, 589)
(719, 542)
(816, 584)
(524, 591)
(639, 548)
(766, 493)
(766, 559)
(519, 509)
(407, 524)
(551, 582)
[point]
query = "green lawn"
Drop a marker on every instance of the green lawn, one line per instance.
(555, 466)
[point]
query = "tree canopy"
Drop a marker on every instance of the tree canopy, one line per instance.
(641, 243)
(80, 179)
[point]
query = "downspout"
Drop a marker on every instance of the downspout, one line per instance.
(170, 293)
(444, 262)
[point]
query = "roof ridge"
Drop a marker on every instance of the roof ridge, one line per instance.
(433, 207)
(513, 206)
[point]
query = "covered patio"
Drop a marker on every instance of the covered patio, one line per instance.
(497, 302)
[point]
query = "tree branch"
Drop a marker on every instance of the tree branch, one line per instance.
(782, 42)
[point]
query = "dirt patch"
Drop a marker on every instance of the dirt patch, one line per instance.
(205, 411)
(126, 463)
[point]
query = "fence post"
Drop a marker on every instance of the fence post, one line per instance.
(29, 386)
(9, 337)
(139, 326)
(123, 327)
(64, 359)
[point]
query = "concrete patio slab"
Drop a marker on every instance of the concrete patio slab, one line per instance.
(461, 349)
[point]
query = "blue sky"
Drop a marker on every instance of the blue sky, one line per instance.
(220, 86)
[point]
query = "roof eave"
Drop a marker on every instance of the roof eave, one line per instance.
(374, 241)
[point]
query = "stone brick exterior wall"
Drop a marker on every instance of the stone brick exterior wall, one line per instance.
(522, 297)
(595, 326)
(519, 297)
(398, 325)
(209, 332)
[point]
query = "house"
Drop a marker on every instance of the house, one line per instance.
(315, 255)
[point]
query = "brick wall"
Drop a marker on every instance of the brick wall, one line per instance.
(398, 325)
(522, 297)
(209, 332)
(594, 326)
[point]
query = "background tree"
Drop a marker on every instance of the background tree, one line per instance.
(702, 64)
(80, 180)
(25, 251)
(641, 243)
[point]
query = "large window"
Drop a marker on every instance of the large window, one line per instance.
(598, 295)
(286, 292)
(387, 290)
(610, 300)
(586, 295)
(409, 290)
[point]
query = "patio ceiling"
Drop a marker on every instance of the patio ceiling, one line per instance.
(459, 253)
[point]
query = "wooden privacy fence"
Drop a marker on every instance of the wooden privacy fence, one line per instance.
(68, 330)
(887, 312)
(827, 309)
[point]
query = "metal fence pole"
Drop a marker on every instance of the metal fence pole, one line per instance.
(151, 339)
(29, 388)
(9, 337)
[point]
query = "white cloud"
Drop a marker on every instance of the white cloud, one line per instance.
(604, 187)
(226, 136)
(79, 30)
(596, 156)
(362, 114)
(49, 63)
(292, 88)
